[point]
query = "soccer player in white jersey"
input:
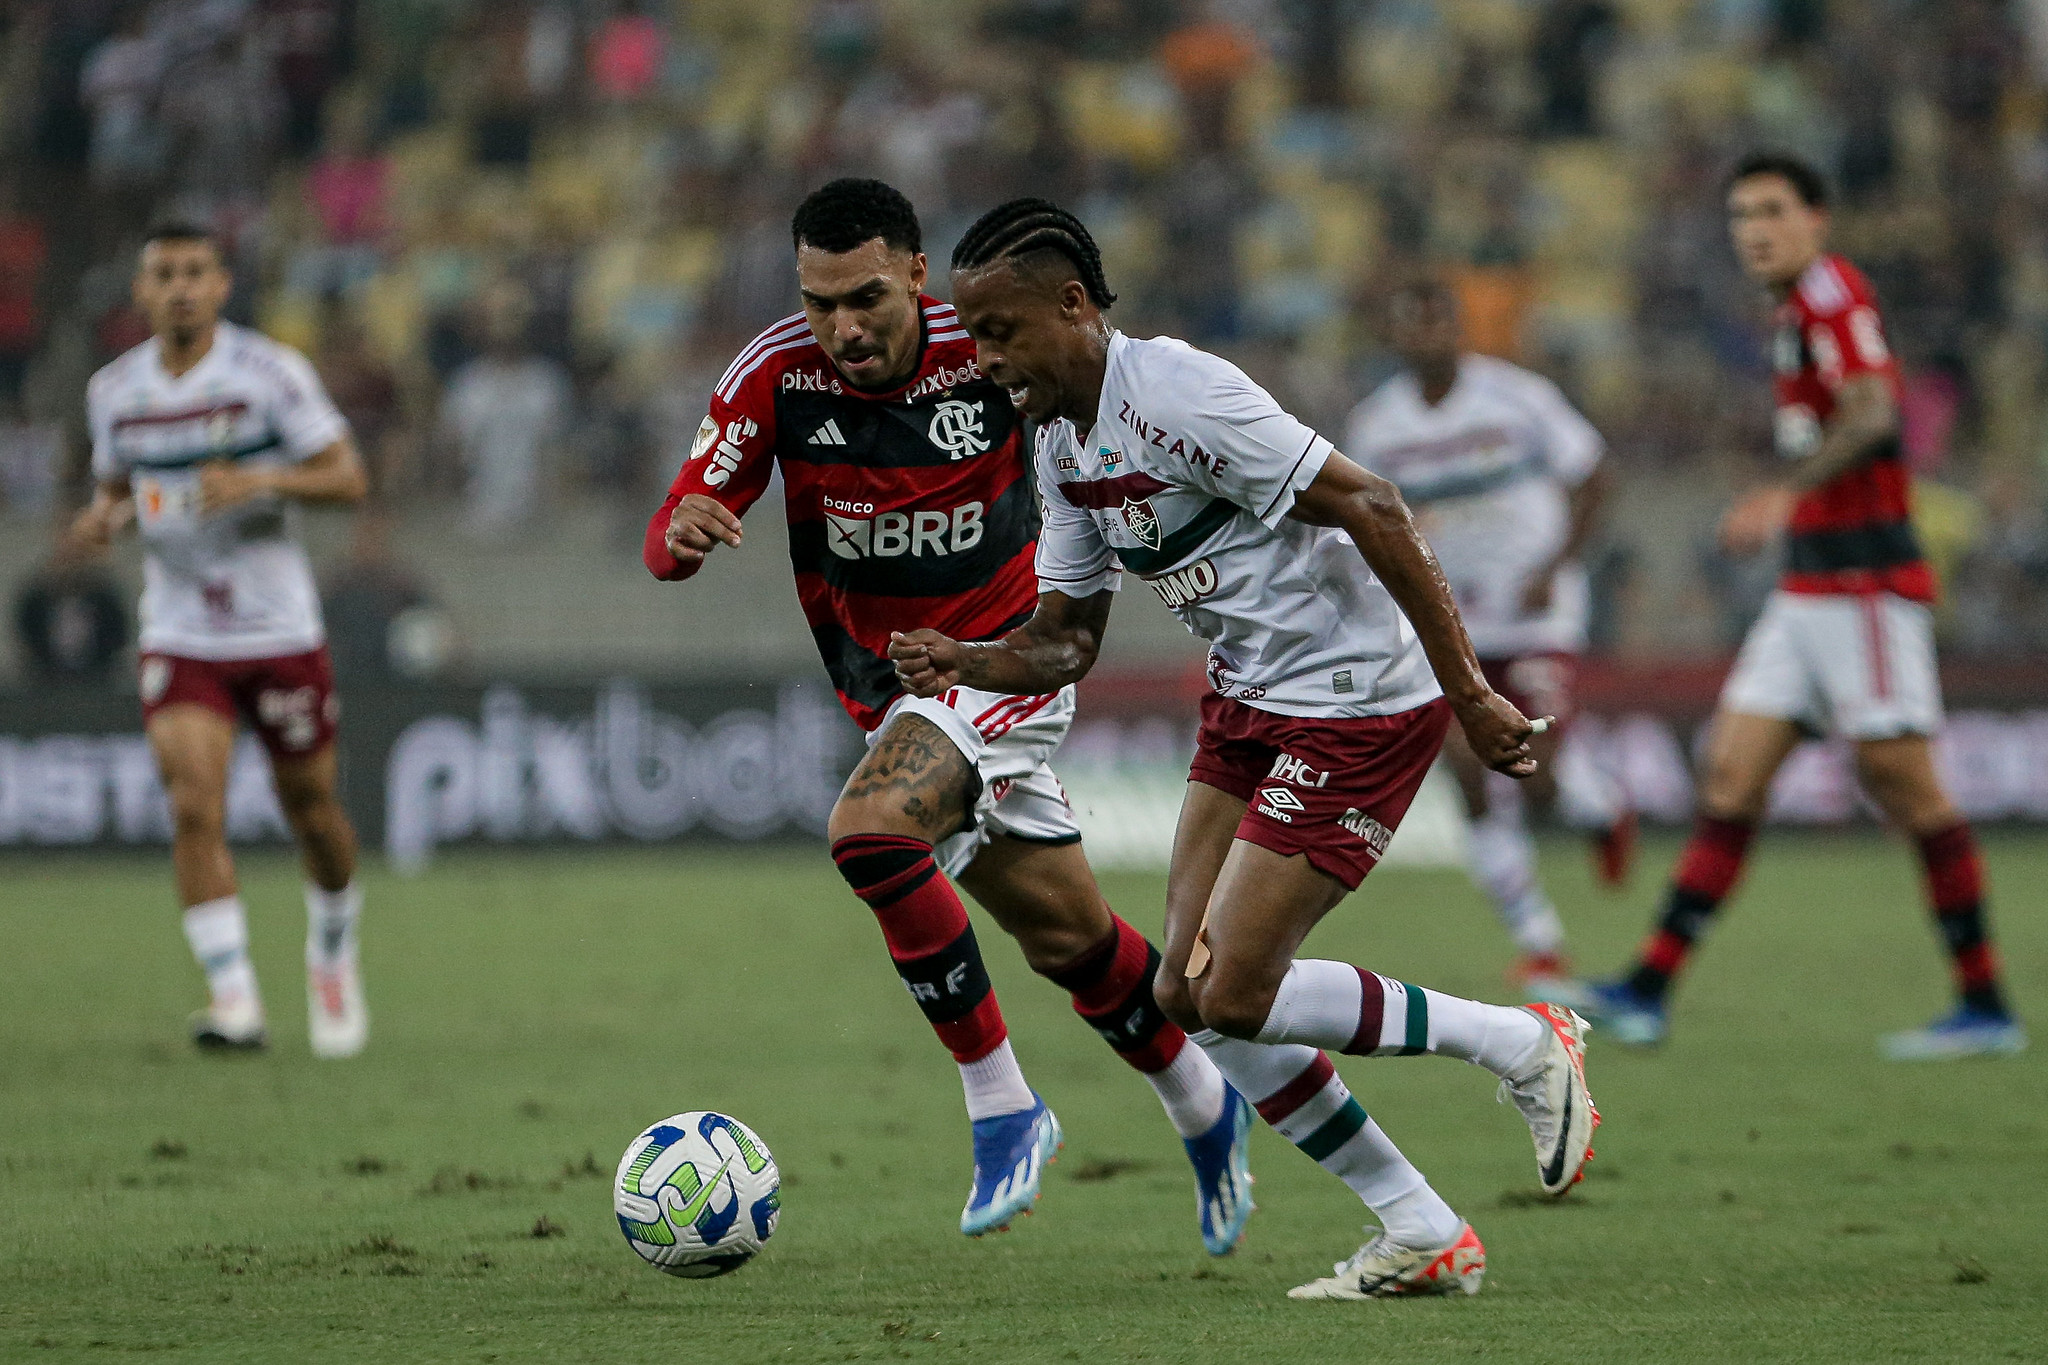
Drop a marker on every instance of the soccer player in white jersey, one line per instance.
(203, 436)
(1506, 480)
(1304, 573)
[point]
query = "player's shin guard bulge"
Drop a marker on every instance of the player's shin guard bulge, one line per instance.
(929, 938)
(1112, 988)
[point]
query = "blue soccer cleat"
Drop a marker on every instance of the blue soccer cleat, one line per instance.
(1964, 1033)
(1223, 1177)
(1010, 1154)
(1628, 1018)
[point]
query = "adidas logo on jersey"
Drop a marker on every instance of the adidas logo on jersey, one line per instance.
(827, 435)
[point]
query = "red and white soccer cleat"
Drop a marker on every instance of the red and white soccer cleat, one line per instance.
(1384, 1269)
(338, 1023)
(1555, 1102)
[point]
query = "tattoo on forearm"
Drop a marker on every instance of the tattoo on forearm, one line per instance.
(915, 763)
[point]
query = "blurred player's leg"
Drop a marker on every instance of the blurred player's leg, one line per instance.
(193, 744)
(338, 1020)
(1501, 857)
(1045, 896)
(1743, 755)
(1899, 775)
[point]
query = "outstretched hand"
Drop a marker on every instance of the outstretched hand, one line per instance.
(927, 663)
(699, 525)
(1499, 734)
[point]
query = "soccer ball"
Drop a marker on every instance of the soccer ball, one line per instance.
(697, 1194)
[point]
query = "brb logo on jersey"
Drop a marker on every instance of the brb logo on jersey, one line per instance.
(956, 429)
(894, 534)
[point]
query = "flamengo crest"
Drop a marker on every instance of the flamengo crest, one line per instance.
(1143, 521)
(956, 428)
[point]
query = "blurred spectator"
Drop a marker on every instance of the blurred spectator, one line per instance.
(71, 621)
(309, 45)
(503, 412)
(119, 86)
(1572, 37)
(30, 455)
(222, 112)
(365, 389)
(24, 250)
(349, 187)
(626, 55)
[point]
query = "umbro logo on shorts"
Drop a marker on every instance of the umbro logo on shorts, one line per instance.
(1278, 803)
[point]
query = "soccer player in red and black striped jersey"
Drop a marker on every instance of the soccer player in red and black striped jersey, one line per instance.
(1846, 643)
(907, 488)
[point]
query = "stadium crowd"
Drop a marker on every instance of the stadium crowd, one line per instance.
(520, 240)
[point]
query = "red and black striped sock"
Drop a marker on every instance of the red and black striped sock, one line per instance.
(1955, 892)
(926, 928)
(1707, 871)
(1112, 988)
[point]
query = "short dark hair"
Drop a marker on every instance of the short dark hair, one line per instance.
(1028, 232)
(179, 230)
(1806, 181)
(840, 216)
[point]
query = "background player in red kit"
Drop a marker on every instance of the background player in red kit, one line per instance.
(909, 501)
(1846, 643)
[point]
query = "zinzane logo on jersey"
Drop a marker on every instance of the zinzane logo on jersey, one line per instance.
(1182, 586)
(956, 429)
(894, 534)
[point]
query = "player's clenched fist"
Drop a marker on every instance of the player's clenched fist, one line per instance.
(700, 524)
(1499, 733)
(927, 663)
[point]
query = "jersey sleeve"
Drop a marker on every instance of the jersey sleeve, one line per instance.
(1572, 446)
(1073, 558)
(730, 462)
(1249, 449)
(1844, 334)
(99, 425)
(305, 418)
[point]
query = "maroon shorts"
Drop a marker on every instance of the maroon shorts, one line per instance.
(1331, 789)
(288, 701)
(1537, 684)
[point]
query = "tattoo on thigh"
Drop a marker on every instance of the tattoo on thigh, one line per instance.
(915, 763)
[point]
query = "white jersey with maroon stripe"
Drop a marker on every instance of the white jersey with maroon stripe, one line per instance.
(234, 585)
(1490, 472)
(1186, 480)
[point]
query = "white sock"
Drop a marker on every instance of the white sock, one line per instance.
(1322, 1003)
(1503, 862)
(218, 931)
(1301, 1095)
(331, 922)
(1191, 1089)
(995, 1084)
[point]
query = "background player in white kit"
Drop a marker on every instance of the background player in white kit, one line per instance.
(1507, 481)
(1304, 573)
(202, 436)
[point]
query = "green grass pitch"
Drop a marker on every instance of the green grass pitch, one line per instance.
(1766, 1189)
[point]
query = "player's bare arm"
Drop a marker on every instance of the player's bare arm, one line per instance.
(699, 525)
(1865, 419)
(1371, 511)
(111, 510)
(333, 475)
(1057, 646)
(1587, 502)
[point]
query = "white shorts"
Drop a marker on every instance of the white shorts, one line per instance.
(1858, 666)
(1008, 740)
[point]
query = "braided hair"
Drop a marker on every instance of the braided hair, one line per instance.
(1029, 232)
